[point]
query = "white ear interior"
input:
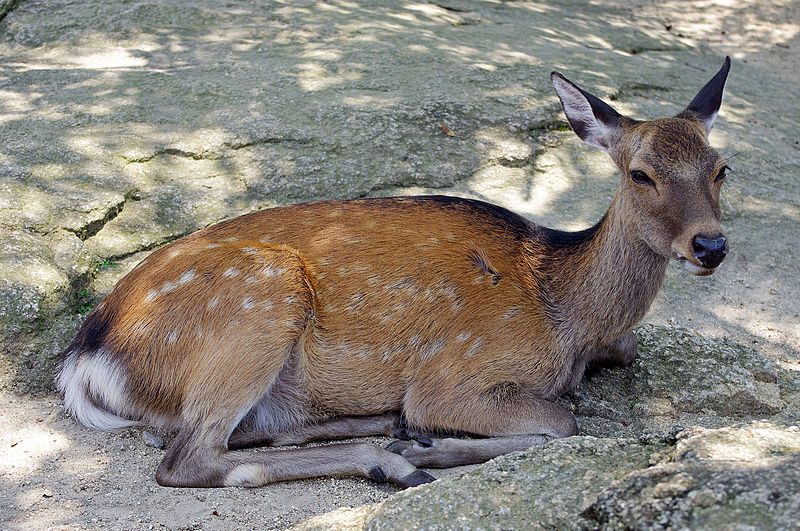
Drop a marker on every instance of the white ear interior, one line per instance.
(580, 114)
(708, 123)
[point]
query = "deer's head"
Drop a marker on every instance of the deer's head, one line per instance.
(671, 177)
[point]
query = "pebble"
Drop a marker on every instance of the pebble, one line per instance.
(152, 440)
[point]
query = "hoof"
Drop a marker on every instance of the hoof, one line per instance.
(377, 474)
(418, 477)
(401, 433)
(398, 447)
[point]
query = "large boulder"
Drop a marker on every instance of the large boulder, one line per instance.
(740, 477)
(682, 379)
(744, 477)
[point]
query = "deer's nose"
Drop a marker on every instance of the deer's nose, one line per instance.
(710, 250)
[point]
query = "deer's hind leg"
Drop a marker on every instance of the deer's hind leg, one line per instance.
(195, 460)
(248, 366)
(199, 456)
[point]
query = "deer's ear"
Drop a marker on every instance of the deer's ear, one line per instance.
(704, 107)
(593, 120)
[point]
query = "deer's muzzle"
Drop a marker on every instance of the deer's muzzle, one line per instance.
(710, 251)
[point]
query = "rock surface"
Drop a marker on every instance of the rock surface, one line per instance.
(713, 479)
(124, 126)
(681, 379)
(744, 477)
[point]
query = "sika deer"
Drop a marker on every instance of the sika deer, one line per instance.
(333, 319)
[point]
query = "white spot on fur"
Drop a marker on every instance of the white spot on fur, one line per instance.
(404, 285)
(141, 327)
(231, 239)
(271, 271)
(250, 280)
(168, 286)
(391, 351)
(151, 296)
(394, 313)
(212, 246)
(474, 348)
(510, 314)
(175, 252)
(356, 303)
(432, 349)
(414, 342)
(213, 303)
(90, 380)
(250, 250)
(463, 336)
(172, 337)
(247, 475)
(249, 303)
(187, 277)
(231, 272)
(291, 299)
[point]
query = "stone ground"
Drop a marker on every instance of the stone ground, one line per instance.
(126, 125)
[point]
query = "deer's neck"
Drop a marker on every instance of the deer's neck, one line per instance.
(603, 284)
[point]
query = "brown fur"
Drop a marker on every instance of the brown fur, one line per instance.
(329, 319)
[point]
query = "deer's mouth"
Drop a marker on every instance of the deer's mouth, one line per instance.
(693, 267)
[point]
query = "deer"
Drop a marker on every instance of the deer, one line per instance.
(451, 325)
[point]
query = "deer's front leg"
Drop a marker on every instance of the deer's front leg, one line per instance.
(449, 452)
(621, 352)
(509, 419)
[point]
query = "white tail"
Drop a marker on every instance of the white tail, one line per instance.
(88, 380)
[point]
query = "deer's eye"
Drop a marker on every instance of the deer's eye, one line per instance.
(721, 175)
(640, 177)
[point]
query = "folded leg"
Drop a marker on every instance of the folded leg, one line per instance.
(508, 418)
(336, 428)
